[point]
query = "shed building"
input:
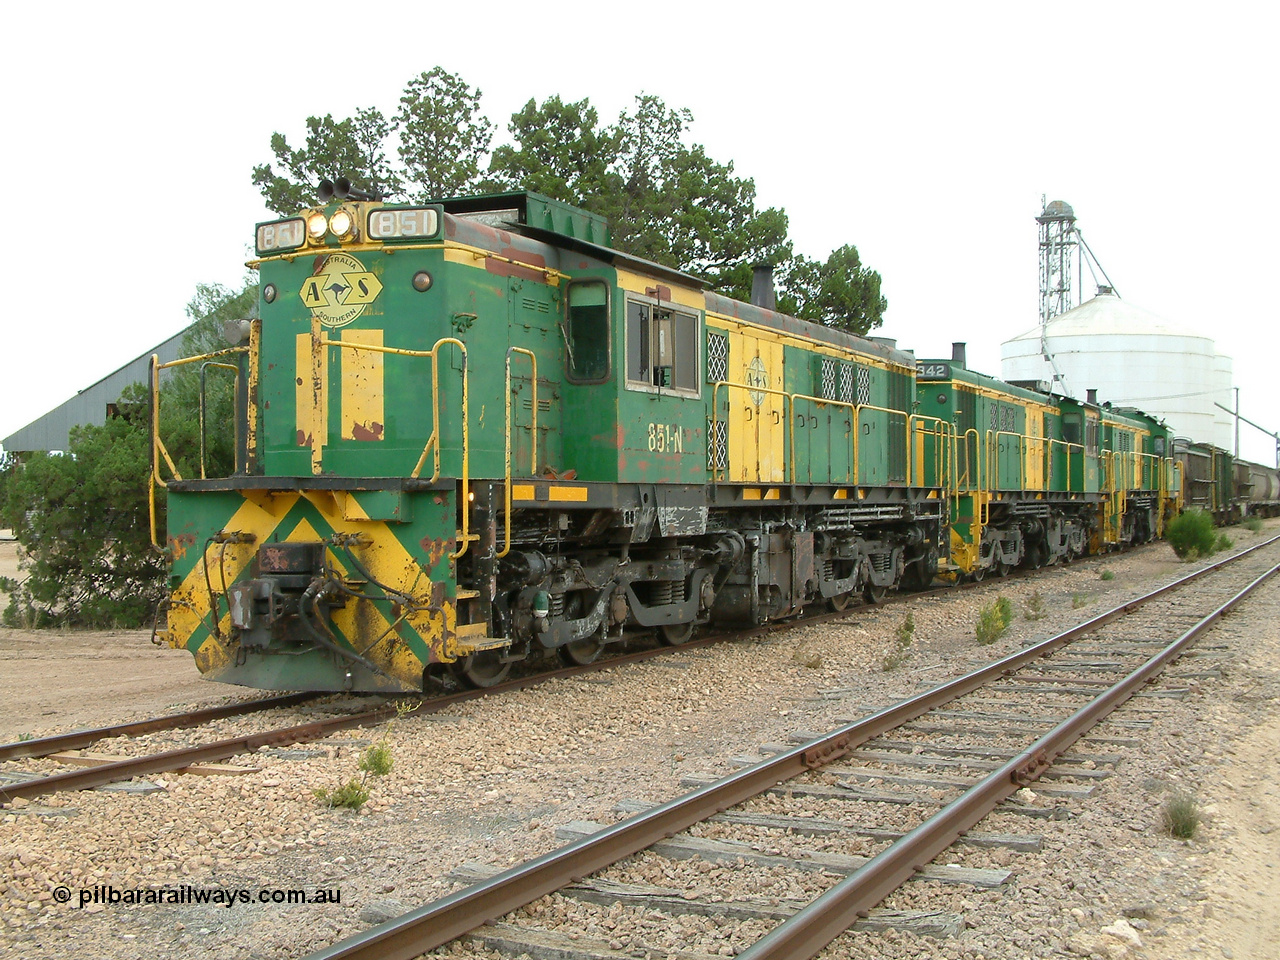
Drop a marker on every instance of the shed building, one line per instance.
(93, 404)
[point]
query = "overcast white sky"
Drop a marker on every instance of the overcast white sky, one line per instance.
(924, 133)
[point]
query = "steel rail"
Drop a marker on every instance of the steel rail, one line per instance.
(443, 920)
(43, 746)
(809, 931)
(129, 767)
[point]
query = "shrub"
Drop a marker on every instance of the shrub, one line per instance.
(1191, 534)
(1035, 607)
(1107, 575)
(1253, 524)
(1079, 600)
(1181, 816)
(1223, 542)
(902, 641)
(82, 519)
(993, 620)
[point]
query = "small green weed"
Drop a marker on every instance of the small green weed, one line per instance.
(352, 795)
(1079, 600)
(1253, 524)
(24, 737)
(993, 620)
(375, 761)
(1181, 816)
(903, 636)
(1035, 607)
(1106, 575)
(1223, 542)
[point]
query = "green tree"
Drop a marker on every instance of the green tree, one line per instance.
(443, 135)
(82, 520)
(665, 199)
(354, 147)
(559, 150)
(840, 293)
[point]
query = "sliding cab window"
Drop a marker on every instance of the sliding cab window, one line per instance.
(586, 332)
(662, 348)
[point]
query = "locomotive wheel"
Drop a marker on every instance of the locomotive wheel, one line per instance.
(481, 670)
(977, 574)
(873, 594)
(840, 602)
(581, 652)
(674, 634)
(1002, 569)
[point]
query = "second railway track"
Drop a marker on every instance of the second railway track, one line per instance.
(941, 760)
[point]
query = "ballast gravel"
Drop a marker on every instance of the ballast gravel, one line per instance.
(490, 781)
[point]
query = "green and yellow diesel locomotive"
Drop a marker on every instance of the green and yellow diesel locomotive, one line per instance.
(1035, 478)
(472, 433)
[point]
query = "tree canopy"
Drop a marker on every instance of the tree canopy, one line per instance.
(665, 198)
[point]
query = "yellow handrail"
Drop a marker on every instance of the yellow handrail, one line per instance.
(158, 449)
(533, 441)
(853, 430)
(715, 412)
(433, 441)
(857, 422)
(942, 430)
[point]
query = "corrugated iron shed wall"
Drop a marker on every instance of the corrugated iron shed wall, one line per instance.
(53, 430)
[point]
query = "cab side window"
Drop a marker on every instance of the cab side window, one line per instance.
(662, 347)
(586, 333)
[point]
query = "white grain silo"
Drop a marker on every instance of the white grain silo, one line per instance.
(1224, 422)
(1132, 357)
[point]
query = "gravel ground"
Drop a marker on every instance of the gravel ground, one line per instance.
(491, 781)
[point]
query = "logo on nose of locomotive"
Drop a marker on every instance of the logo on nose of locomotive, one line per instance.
(339, 290)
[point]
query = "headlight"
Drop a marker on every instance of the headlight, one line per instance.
(389, 223)
(317, 225)
(342, 225)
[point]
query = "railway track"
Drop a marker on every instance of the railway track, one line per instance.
(23, 785)
(26, 785)
(944, 759)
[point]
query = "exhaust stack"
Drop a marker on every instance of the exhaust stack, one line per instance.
(762, 293)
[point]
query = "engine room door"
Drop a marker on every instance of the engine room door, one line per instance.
(757, 412)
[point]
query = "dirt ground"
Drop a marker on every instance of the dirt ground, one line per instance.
(65, 679)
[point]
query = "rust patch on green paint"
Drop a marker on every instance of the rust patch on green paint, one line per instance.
(434, 548)
(180, 544)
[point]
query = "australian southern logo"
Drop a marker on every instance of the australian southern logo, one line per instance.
(339, 290)
(757, 376)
